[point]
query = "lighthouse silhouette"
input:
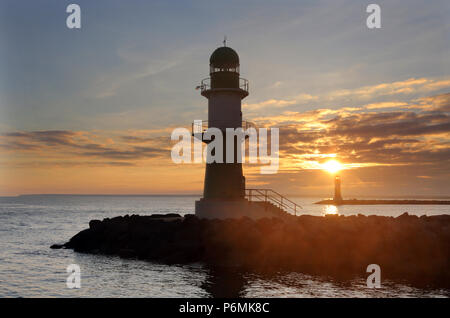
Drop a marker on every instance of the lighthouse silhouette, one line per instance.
(337, 190)
(224, 94)
(224, 193)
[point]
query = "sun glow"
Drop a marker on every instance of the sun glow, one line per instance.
(332, 166)
(330, 210)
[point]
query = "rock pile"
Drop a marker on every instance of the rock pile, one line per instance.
(416, 249)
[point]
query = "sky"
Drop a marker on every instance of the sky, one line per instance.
(91, 110)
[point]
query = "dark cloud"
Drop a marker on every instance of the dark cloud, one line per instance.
(438, 103)
(132, 154)
(136, 139)
(71, 164)
(75, 144)
(48, 137)
(389, 124)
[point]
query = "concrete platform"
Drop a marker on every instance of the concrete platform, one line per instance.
(235, 209)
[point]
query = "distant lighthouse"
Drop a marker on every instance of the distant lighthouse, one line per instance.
(337, 190)
(224, 193)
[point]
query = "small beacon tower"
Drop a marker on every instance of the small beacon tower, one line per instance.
(337, 190)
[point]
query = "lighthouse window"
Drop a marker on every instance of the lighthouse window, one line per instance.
(224, 69)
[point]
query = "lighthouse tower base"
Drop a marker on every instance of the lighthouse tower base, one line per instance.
(235, 209)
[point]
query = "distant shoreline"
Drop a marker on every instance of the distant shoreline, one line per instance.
(369, 198)
(100, 195)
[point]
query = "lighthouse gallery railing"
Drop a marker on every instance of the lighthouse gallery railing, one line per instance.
(271, 196)
(206, 84)
(202, 126)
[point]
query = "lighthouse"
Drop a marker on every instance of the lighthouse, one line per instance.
(224, 91)
(224, 193)
(337, 190)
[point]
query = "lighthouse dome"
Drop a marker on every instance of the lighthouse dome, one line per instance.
(224, 57)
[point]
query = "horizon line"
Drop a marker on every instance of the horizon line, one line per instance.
(349, 197)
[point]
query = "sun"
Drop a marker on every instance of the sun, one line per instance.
(332, 166)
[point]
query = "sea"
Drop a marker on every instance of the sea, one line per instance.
(29, 225)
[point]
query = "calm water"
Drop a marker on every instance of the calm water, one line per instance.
(29, 268)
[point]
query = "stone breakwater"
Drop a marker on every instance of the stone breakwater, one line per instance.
(408, 248)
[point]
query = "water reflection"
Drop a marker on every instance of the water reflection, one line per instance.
(232, 282)
(225, 282)
(330, 209)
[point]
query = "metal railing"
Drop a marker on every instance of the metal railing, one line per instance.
(205, 84)
(243, 84)
(268, 195)
(202, 126)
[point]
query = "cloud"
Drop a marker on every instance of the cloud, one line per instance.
(135, 65)
(409, 86)
(435, 103)
(65, 144)
(48, 137)
(393, 135)
(71, 164)
(389, 124)
(269, 103)
(385, 105)
(276, 84)
(381, 96)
